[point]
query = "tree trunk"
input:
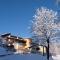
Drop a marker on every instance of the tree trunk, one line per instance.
(47, 49)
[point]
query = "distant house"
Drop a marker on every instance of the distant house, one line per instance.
(36, 48)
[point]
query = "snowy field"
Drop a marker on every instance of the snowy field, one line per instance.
(21, 56)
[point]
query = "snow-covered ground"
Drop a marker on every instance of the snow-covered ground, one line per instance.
(20, 56)
(57, 57)
(24, 57)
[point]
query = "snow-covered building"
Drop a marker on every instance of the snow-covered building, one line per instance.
(21, 45)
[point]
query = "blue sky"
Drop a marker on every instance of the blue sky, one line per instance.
(15, 15)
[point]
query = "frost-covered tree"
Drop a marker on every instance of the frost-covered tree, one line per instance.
(44, 25)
